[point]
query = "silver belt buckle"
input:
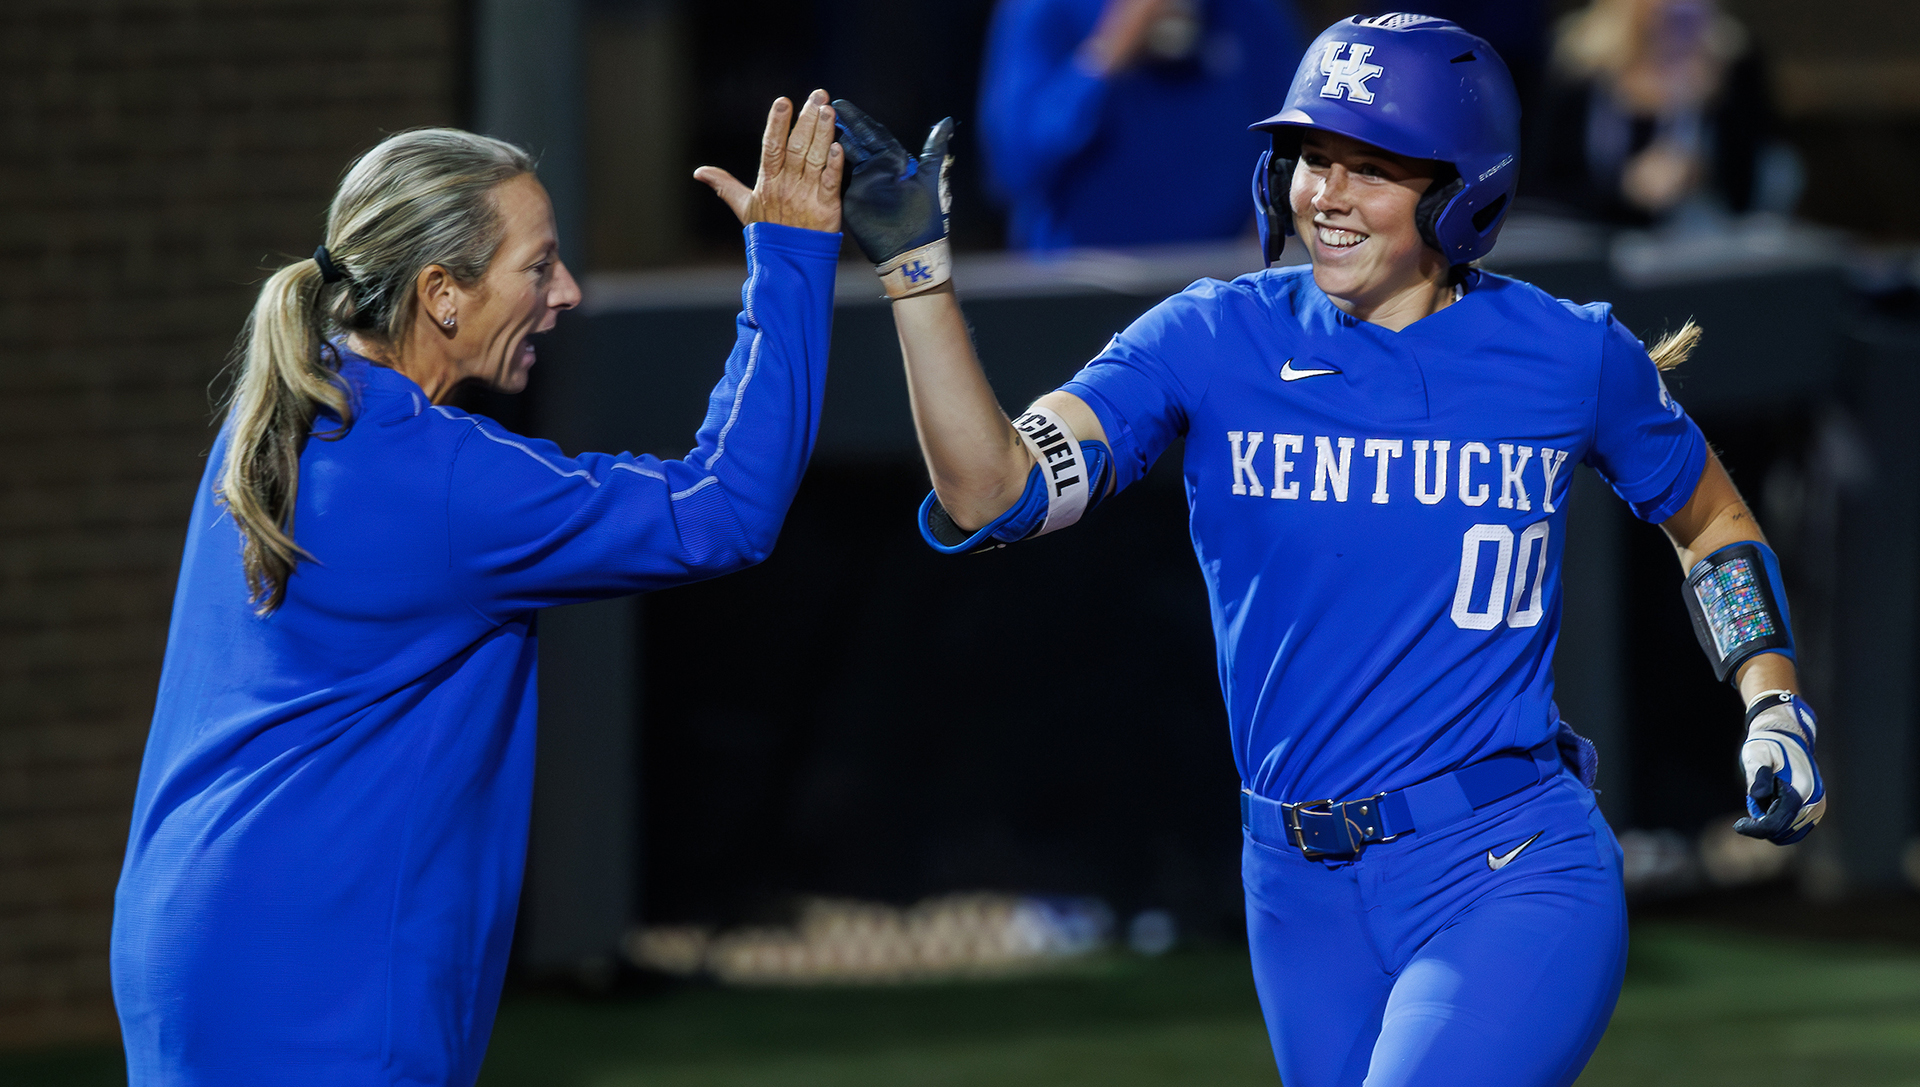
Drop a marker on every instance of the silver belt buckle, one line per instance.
(1356, 834)
(1292, 814)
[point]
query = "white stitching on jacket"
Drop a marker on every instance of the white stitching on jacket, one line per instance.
(550, 466)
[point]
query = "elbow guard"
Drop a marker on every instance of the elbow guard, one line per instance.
(1033, 515)
(1739, 606)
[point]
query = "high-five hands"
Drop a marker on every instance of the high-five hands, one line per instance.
(800, 167)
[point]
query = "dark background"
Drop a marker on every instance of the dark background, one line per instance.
(902, 723)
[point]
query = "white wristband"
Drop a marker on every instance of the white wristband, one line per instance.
(917, 270)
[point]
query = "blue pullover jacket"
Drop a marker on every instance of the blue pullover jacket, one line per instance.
(331, 818)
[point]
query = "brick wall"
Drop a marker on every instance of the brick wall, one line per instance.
(159, 154)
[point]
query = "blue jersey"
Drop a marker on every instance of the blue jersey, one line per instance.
(1380, 516)
(331, 817)
(1155, 153)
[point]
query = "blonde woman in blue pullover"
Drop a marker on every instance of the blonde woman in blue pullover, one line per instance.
(331, 818)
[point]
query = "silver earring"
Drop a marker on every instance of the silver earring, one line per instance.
(447, 321)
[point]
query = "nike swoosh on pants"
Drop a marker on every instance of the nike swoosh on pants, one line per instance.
(1494, 864)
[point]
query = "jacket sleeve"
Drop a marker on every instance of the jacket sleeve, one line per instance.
(531, 527)
(1038, 108)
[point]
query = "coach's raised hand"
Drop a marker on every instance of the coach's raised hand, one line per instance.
(897, 204)
(800, 166)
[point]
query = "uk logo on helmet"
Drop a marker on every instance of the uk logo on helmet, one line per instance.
(1347, 76)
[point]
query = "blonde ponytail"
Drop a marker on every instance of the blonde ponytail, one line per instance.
(418, 199)
(280, 387)
(1672, 349)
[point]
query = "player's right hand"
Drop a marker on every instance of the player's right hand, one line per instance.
(800, 171)
(1785, 796)
(896, 205)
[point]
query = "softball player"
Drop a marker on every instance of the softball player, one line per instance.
(1378, 450)
(331, 819)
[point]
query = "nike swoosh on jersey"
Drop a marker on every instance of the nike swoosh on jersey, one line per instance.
(1288, 373)
(1494, 864)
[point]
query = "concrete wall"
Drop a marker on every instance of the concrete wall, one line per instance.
(161, 153)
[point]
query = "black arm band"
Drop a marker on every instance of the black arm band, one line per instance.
(1739, 606)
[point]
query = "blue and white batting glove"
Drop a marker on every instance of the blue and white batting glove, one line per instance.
(1784, 795)
(896, 205)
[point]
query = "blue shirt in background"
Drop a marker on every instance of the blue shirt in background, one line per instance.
(331, 818)
(1157, 153)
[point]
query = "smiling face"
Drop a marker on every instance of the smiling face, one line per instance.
(523, 292)
(1353, 205)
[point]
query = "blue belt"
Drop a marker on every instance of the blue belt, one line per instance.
(1326, 827)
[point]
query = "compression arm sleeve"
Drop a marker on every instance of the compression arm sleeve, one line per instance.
(533, 527)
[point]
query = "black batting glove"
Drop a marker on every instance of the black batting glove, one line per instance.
(896, 205)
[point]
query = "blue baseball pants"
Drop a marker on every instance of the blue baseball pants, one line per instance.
(1449, 959)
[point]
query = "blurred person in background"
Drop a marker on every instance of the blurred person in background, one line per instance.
(1113, 122)
(1655, 108)
(1378, 452)
(331, 818)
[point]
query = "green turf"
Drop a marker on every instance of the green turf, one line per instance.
(1119, 1021)
(1702, 1008)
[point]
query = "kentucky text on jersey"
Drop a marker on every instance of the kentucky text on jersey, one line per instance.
(1379, 517)
(1332, 474)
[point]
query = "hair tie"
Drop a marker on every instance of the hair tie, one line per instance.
(329, 272)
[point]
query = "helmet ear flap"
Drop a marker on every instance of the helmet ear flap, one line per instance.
(1272, 176)
(1433, 204)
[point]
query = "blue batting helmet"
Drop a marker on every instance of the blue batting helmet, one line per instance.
(1417, 86)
